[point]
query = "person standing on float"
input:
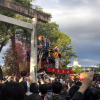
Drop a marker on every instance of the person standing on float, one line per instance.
(48, 42)
(41, 41)
(57, 58)
(56, 49)
(45, 41)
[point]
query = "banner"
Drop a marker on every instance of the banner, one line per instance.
(62, 71)
(57, 62)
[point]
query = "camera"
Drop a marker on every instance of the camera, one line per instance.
(96, 77)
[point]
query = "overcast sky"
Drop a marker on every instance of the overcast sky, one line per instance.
(80, 19)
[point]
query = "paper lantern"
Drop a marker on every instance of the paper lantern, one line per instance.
(55, 54)
(40, 37)
(59, 54)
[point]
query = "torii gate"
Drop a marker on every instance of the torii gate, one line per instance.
(28, 12)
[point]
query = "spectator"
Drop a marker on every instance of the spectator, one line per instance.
(23, 75)
(48, 82)
(56, 87)
(41, 80)
(41, 41)
(11, 79)
(24, 84)
(30, 80)
(87, 94)
(98, 89)
(95, 94)
(78, 83)
(34, 97)
(15, 79)
(34, 91)
(72, 83)
(73, 90)
(27, 79)
(43, 90)
(12, 91)
(1, 86)
(34, 88)
(64, 90)
(47, 61)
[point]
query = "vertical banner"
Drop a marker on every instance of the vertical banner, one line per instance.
(57, 62)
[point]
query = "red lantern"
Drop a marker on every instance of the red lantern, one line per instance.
(40, 37)
(60, 55)
(55, 54)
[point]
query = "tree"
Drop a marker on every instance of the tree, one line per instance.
(77, 69)
(7, 31)
(16, 58)
(25, 2)
(98, 69)
(4, 70)
(5, 28)
(67, 53)
(51, 29)
(98, 65)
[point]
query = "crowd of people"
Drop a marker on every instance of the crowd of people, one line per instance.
(27, 89)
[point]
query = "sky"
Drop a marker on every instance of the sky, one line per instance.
(80, 19)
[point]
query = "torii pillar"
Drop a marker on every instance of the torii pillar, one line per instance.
(34, 37)
(33, 61)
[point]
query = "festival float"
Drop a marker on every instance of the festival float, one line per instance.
(81, 76)
(49, 59)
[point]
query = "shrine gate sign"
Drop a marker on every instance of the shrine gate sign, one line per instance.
(35, 15)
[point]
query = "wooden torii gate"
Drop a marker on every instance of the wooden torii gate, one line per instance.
(35, 15)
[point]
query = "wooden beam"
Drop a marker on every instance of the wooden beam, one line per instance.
(16, 22)
(15, 7)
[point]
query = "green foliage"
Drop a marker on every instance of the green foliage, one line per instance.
(98, 65)
(77, 69)
(46, 13)
(5, 71)
(56, 37)
(24, 2)
(9, 67)
(51, 29)
(98, 70)
(67, 54)
(6, 29)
